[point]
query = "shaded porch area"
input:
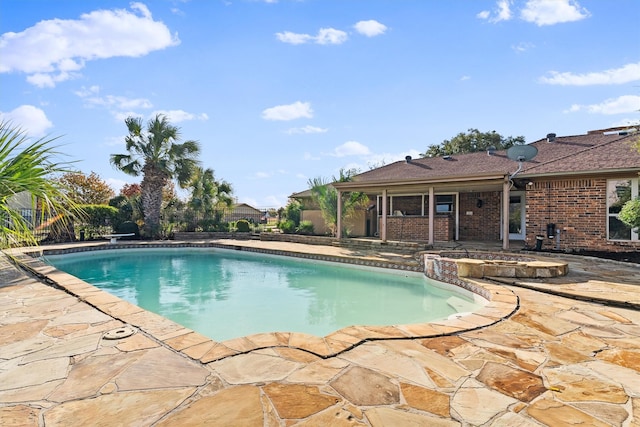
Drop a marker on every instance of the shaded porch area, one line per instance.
(483, 210)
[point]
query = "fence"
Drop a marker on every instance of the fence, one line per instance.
(171, 220)
(217, 220)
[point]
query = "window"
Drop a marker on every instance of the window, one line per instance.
(444, 203)
(619, 192)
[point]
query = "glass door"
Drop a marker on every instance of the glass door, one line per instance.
(517, 216)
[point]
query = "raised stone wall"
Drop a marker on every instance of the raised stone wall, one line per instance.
(451, 267)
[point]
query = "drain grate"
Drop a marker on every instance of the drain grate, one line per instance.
(119, 333)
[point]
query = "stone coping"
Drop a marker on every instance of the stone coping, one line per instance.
(501, 304)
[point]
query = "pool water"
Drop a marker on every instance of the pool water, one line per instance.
(225, 294)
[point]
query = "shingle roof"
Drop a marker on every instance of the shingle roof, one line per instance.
(590, 153)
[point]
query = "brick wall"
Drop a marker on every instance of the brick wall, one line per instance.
(578, 208)
(416, 228)
(483, 223)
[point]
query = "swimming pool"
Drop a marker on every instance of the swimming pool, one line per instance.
(225, 294)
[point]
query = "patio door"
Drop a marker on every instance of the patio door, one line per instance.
(517, 209)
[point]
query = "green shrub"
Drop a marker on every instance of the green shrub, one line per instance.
(128, 227)
(292, 211)
(305, 227)
(242, 226)
(287, 226)
(630, 214)
(96, 219)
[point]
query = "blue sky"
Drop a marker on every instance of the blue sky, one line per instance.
(282, 91)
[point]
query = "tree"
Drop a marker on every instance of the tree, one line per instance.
(86, 189)
(327, 198)
(208, 196)
(155, 154)
(630, 214)
(27, 168)
(207, 193)
(99, 219)
(472, 141)
(292, 211)
(130, 190)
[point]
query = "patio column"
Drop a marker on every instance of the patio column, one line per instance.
(506, 186)
(339, 216)
(432, 214)
(383, 225)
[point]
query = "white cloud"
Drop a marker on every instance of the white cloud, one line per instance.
(522, 47)
(120, 116)
(626, 122)
(324, 36)
(91, 97)
(294, 38)
(380, 159)
(625, 74)
(122, 107)
(504, 11)
(56, 50)
(550, 12)
(262, 175)
(288, 112)
(177, 116)
(370, 28)
(331, 36)
(621, 105)
(465, 78)
(306, 130)
(501, 13)
(351, 148)
(29, 119)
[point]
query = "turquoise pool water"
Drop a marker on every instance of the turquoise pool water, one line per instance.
(225, 294)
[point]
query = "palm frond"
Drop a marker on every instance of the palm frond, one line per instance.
(27, 167)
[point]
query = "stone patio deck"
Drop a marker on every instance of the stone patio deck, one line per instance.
(557, 351)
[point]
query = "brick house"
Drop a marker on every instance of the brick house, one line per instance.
(567, 197)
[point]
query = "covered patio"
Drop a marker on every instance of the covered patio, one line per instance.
(442, 209)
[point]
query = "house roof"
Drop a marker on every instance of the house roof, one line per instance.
(301, 195)
(593, 153)
(245, 207)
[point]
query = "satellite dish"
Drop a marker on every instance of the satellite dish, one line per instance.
(522, 153)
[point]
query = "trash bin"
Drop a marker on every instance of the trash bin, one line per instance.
(539, 240)
(82, 235)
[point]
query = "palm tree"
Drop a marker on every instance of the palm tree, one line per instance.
(155, 154)
(27, 168)
(207, 193)
(327, 198)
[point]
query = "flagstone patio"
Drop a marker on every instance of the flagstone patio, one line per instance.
(554, 351)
